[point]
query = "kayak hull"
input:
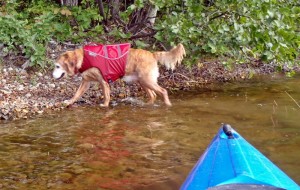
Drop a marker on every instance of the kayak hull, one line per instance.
(233, 161)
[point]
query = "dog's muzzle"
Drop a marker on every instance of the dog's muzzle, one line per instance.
(58, 73)
(61, 76)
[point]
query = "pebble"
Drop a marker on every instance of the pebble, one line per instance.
(28, 95)
(25, 111)
(21, 87)
(6, 91)
(23, 72)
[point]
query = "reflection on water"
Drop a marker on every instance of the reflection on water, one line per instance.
(131, 147)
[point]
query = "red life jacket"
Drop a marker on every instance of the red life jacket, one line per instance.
(109, 59)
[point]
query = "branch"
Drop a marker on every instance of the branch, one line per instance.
(101, 10)
(143, 35)
(292, 99)
(220, 15)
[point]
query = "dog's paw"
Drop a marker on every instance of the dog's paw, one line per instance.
(103, 105)
(67, 102)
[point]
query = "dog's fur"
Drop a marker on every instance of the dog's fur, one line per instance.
(141, 67)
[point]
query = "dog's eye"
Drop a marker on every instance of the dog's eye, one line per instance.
(57, 66)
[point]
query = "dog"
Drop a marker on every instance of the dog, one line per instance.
(140, 66)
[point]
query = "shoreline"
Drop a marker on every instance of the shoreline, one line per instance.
(25, 94)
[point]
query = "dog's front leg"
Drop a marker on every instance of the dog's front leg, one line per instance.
(84, 86)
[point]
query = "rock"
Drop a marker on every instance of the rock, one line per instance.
(6, 91)
(40, 112)
(21, 87)
(24, 72)
(39, 74)
(28, 95)
(52, 85)
(25, 111)
(122, 95)
(18, 109)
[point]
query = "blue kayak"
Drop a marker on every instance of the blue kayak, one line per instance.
(231, 163)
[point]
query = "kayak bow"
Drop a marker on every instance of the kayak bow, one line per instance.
(230, 162)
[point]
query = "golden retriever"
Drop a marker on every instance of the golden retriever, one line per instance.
(141, 67)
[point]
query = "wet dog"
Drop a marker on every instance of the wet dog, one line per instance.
(141, 66)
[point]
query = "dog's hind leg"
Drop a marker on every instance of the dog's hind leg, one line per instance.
(84, 86)
(150, 93)
(152, 96)
(153, 86)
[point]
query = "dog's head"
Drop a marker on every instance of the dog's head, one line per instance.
(66, 63)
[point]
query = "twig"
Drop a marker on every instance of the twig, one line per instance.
(292, 99)
(182, 76)
(177, 74)
(162, 45)
(150, 129)
(274, 106)
(275, 103)
(274, 125)
(142, 35)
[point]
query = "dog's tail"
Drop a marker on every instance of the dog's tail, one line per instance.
(171, 58)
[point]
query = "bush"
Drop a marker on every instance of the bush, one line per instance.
(27, 30)
(233, 30)
(238, 30)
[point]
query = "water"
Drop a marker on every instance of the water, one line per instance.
(146, 148)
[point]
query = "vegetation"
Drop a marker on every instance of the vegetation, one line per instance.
(234, 31)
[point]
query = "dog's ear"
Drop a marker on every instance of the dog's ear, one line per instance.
(75, 59)
(78, 55)
(72, 62)
(69, 63)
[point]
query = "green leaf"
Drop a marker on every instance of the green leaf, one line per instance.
(140, 44)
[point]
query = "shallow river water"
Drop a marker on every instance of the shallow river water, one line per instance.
(149, 148)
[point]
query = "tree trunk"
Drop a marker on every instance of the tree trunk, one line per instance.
(101, 10)
(151, 16)
(115, 9)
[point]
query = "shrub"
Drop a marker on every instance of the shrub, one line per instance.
(265, 29)
(27, 30)
(233, 30)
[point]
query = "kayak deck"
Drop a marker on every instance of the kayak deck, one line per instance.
(230, 160)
